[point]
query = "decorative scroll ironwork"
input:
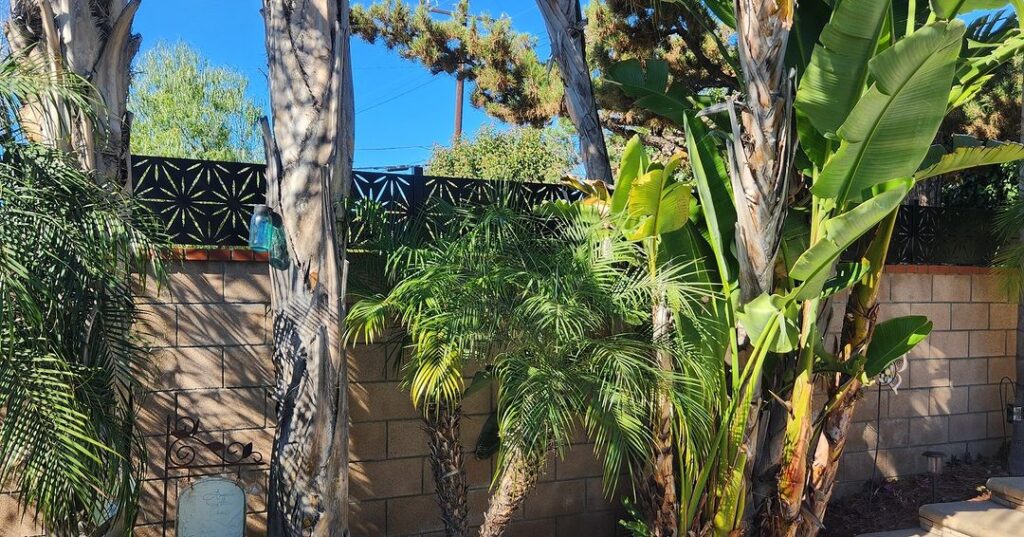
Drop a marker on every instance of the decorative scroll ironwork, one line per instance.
(186, 448)
(207, 203)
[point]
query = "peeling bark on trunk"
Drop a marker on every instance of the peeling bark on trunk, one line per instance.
(446, 463)
(516, 482)
(309, 163)
(93, 39)
(565, 26)
(761, 151)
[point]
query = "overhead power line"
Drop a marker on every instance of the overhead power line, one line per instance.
(396, 96)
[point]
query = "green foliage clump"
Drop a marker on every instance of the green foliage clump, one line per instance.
(69, 363)
(184, 106)
(522, 153)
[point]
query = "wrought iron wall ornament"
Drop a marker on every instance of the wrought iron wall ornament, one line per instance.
(185, 446)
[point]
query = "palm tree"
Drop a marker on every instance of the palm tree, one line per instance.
(554, 315)
(68, 359)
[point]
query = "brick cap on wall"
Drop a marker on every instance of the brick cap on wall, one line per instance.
(245, 254)
(218, 254)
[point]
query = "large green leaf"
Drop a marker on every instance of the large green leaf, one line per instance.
(837, 234)
(758, 314)
(835, 78)
(894, 338)
(890, 129)
(656, 205)
(634, 162)
(649, 88)
(968, 157)
(712, 179)
(980, 65)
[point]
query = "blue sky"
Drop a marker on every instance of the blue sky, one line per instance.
(399, 104)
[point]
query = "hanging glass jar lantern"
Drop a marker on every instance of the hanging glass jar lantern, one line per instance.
(261, 229)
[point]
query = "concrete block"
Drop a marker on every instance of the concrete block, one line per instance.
(987, 343)
(970, 317)
(199, 282)
(909, 403)
(374, 401)
(246, 283)
(1000, 368)
(413, 515)
(556, 498)
(156, 324)
(948, 400)
(987, 288)
(948, 344)
(984, 397)
(242, 408)
(924, 373)
(248, 366)
(187, 368)
(938, 313)
(407, 438)
(910, 287)
(968, 371)
(929, 430)
(967, 427)
(1003, 316)
(367, 441)
(370, 480)
(951, 287)
(221, 324)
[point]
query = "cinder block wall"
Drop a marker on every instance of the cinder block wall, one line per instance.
(210, 329)
(949, 399)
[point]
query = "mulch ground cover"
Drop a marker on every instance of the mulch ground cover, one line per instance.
(892, 504)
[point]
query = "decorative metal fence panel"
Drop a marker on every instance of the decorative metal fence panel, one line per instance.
(207, 203)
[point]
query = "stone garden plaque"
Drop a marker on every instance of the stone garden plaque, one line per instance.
(211, 507)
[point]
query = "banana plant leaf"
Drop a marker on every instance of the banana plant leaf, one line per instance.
(716, 203)
(893, 124)
(947, 9)
(837, 234)
(650, 88)
(656, 205)
(836, 75)
(892, 339)
(965, 157)
(633, 163)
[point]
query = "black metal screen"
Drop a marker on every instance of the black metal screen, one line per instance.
(207, 203)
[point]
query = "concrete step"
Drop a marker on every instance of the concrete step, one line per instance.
(910, 532)
(1008, 491)
(972, 519)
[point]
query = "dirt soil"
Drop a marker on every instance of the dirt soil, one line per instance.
(893, 504)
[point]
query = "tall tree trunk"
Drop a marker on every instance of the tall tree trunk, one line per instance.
(442, 424)
(1016, 459)
(92, 39)
(660, 494)
(760, 165)
(564, 22)
(517, 480)
(309, 164)
(761, 149)
(858, 327)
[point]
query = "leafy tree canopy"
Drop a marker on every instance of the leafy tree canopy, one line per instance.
(512, 84)
(522, 153)
(184, 106)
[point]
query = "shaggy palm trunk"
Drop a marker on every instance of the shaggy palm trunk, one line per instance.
(93, 39)
(858, 326)
(309, 162)
(517, 480)
(565, 26)
(660, 496)
(442, 424)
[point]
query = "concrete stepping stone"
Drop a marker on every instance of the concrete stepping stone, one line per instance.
(1008, 491)
(909, 532)
(972, 519)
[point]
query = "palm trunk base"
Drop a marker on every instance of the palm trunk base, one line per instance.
(518, 479)
(446, 463)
